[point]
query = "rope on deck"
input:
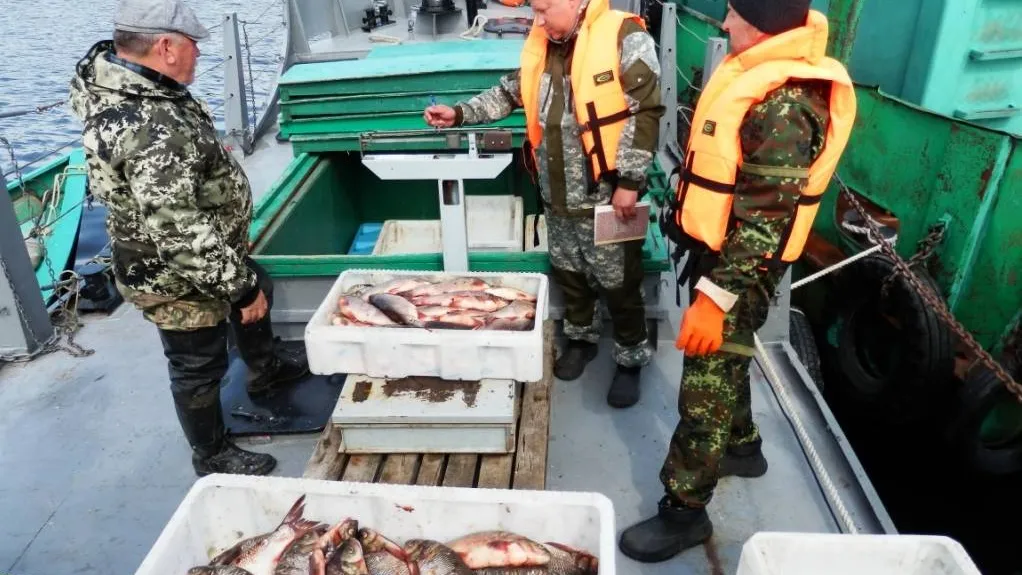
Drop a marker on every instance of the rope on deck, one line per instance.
(814, 458)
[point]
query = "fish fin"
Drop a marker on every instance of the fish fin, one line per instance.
(317, 563)
(295, 513)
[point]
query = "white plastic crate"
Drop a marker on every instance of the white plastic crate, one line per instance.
(836, 554)
(393, 352)
(221, 510)
(494, 223)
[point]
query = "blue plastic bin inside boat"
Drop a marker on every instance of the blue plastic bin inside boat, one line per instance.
(365, 239)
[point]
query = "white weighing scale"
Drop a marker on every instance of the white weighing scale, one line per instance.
(424, 414)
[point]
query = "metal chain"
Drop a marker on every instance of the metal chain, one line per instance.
(926, 247)
(932, 299)
(14, 160)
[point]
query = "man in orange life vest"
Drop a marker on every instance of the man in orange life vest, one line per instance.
(767, 134)
(589, 84)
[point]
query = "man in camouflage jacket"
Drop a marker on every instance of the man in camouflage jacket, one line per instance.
(582, 269)
(179, 208)
(780, 137)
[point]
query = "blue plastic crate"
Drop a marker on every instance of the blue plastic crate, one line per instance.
(365, 239)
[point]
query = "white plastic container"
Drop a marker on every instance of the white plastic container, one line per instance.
(221, 510)
(835, 554)
(495, 224)
(393, 352)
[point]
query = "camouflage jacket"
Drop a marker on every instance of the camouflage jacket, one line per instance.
(786, 130)
(561, 163)
(179, 204)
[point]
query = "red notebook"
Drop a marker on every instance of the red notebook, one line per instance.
(608, 229)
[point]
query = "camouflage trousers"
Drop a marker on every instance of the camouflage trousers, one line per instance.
(715, 403)
(584, 271)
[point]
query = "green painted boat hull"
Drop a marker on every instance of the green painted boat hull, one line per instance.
(61, 222)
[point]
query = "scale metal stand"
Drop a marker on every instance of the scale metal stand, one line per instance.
(426, 414)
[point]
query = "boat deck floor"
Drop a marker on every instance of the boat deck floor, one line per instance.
(94, 462)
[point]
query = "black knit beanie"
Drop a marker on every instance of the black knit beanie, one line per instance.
(773, 16)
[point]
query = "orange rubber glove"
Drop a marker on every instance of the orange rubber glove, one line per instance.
(702, 327)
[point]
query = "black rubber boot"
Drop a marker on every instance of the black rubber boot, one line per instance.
(624, 389)
(743, 461)
(203, 425)
(672, 530)
(233, 459)
(573, 361)
(281, 371)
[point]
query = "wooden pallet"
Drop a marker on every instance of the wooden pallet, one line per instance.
(523, 469)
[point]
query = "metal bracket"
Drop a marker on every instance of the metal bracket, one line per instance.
(450, 170)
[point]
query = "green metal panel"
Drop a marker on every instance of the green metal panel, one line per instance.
(994, 296)
(477, 80)
(448, 47)
(370, 104)
(399, 67)
(305, 222)
(350, 143)
(361, 123)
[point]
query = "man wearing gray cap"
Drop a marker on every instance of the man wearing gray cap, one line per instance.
(179, 208)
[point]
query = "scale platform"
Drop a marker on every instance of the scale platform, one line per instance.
(427, 415)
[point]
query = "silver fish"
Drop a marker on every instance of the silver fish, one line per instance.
(372, 541)
(229, 555)
(218, 570)
(509, 324)
(434, 558)
(455, 285)
(383, 563)
(396, 308)
(360, 310)
(511, 294)
(296, 560)
(263, 557)
(499, 549)
(475, 300)
(565, 560)
(516, 310)
(394, 287)
(348, 560)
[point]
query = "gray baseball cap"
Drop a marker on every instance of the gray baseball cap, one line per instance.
(158, 16)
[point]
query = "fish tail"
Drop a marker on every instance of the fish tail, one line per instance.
(295, 513)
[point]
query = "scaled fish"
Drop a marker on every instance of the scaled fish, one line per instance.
(434, 558)
(296, 560)
(518, 316)
(565, 560)
(476, 300)
(229, 555)
(373, 542)
(359, 310)
(395, 286)
(499, 549)
(263, 557)
(383, 563)
(511, 294)
(455, 285)
(217, 570)
(396, 308)
(348, 560)
(437, 311)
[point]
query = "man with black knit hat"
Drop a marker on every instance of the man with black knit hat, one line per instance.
(767, 133)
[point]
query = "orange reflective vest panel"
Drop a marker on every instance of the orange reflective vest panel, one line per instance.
(706, 188)
(600, 106)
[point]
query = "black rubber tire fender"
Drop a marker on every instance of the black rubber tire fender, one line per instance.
(921, 377)
(979, 395)
(800, 335)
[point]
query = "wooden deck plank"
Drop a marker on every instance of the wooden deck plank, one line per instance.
(461, 470)
(326, 461)
(524, 469)
(534, 425)
(362, 468)
(400, 468)
(431, 470)
(495, 471)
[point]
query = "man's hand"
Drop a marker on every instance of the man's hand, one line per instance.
(255, 310)
(440, 116)
(624, 203)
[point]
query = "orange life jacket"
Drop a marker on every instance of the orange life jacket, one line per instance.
(706, 187)
(600, 105)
